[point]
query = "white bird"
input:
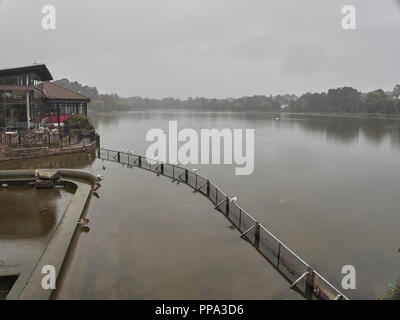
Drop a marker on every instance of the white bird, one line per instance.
(234, 199)
(99, 177)
(131, 152)
(195, 170)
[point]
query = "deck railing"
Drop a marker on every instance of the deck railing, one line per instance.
(51, 139)
(299, 273)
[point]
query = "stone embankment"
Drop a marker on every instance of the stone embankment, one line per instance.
(14, 153)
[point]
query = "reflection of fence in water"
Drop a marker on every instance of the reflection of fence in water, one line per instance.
(296, 270)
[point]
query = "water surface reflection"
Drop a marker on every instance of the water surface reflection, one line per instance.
(28, 218)
(328, 187)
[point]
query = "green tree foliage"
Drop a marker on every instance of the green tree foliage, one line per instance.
(340, 100)
(346, 100)
(78, 121)
(98, 105)
(375, 101)
(396, 92)
(87, 91)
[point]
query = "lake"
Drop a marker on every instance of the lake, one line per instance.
(327, 187)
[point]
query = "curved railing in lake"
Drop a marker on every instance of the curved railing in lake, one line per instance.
(298, 272)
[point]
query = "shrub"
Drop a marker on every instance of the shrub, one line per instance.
(78, 121)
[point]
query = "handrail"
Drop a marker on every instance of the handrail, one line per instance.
(309, 286)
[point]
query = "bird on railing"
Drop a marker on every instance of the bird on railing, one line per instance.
(175, 180)
(96, 187)
(195, 170)
(83, 222)
(234, 199)
(85, 229)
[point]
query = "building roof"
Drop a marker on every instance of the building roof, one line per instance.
(52, 91)
(40, 69)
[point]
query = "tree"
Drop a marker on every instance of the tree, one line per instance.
(375, 101)
(339, 100)
(396, 91)
(78, 121)
(390, 107)
(344, 99)
(97, 105)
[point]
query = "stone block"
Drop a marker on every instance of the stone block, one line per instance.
(44, 184)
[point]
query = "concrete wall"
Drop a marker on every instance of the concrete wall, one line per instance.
(7, 154)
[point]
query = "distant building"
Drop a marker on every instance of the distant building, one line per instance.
(28, 99)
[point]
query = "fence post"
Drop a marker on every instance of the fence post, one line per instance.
(257, 236)
(227, 206)
(140, 161)
(119, 157)
(98, 152)
(162, 168)
(310, 282)
(279, 255)
(208, 188)
(186, 175)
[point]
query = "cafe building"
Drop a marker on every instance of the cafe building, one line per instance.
(28, 99)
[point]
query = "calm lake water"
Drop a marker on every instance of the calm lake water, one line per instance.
(328, 187)
(28, 217)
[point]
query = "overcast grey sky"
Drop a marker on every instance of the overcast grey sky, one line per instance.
(211, 48)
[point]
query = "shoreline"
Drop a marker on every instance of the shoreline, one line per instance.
(347, 115)
(317, 114)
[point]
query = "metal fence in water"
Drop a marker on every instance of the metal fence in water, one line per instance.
(298, 272)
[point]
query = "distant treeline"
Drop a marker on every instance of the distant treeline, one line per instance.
(349, 100)
(341, 100)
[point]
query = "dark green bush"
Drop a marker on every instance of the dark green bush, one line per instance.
(78, 121)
